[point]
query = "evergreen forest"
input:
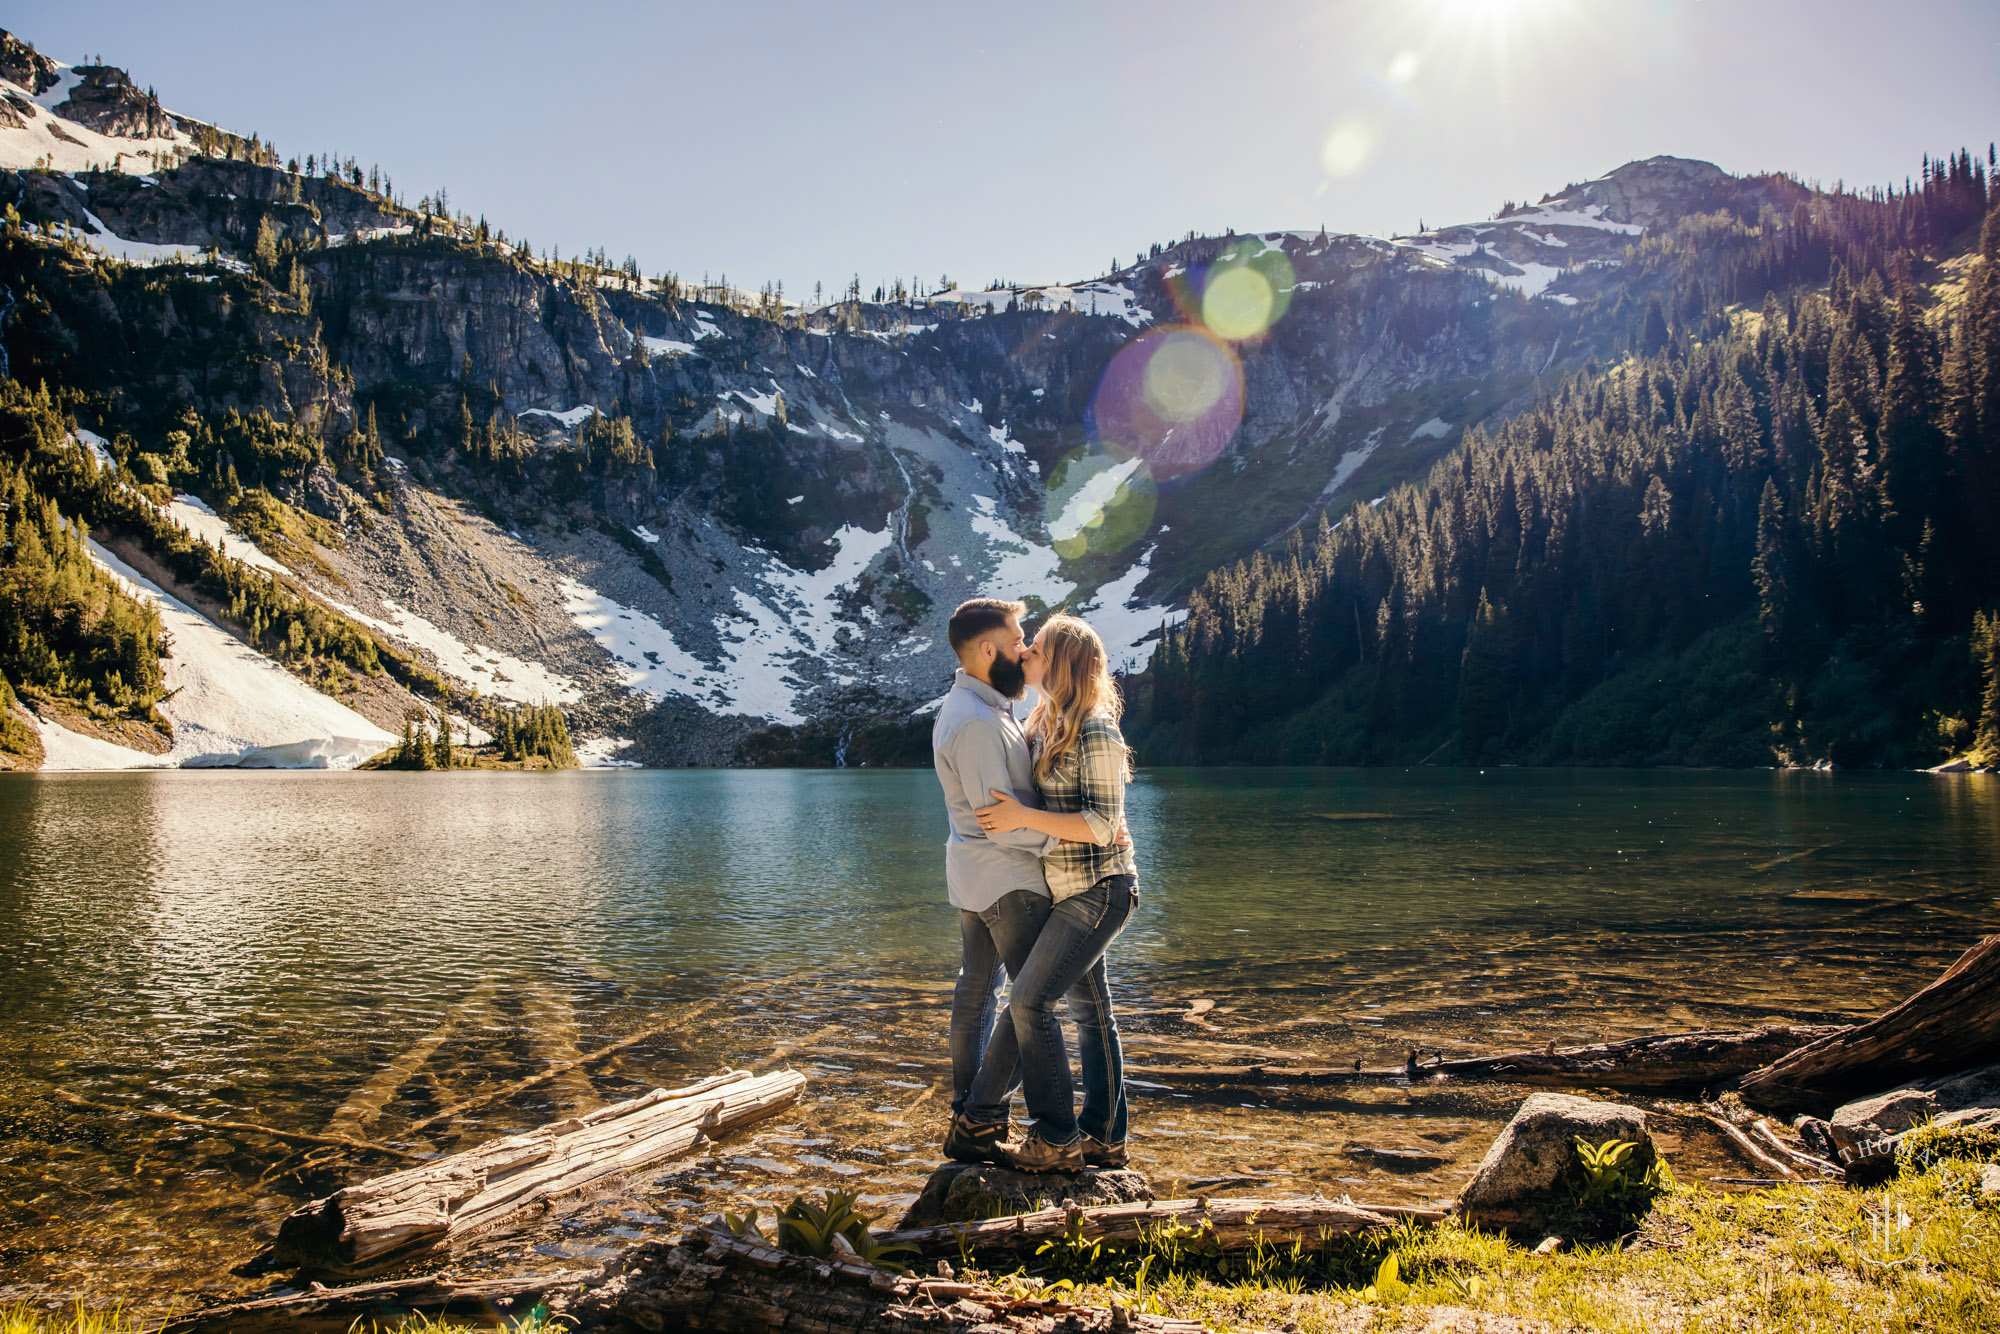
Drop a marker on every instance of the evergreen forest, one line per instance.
(1767, 535)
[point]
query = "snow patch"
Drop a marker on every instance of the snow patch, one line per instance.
(646, 535)
(229, 705)
(1130, 629)
(1437, 428)
(569, 417)
(1020, 566)
(1350, 463)
(666, 347)
(601, 752)
(195, 515)
(76, 147)
(491, 671)
(787, 615)
(1089, 500)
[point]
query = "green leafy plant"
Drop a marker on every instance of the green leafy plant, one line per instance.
(744, 1225)
(1610, 1187)
(1388, 1285)
(809, 1229)
(1073, 1252)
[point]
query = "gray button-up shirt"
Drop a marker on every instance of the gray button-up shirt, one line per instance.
(976, 745)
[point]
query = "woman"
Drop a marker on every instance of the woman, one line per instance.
(1081, 766)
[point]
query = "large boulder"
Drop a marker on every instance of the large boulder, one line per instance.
(1862, 1129)
(1525, 1181)
(1865, 1132)
(967, 1192)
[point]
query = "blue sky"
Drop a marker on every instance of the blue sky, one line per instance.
(1033, 141)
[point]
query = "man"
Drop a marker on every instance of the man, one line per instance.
(995, 880)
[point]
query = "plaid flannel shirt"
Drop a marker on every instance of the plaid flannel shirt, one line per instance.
(1089, 781)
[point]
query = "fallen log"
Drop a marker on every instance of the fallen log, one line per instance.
(1951, 1025)
(1661, 1061)
(340, 1309)
(1232, 1223)
(712, 1283)
(395, 1218)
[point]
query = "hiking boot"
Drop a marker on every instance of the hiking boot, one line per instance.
(1032, 1153)
(973, 1142)
(1097, 1153)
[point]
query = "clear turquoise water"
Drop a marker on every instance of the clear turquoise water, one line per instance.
(260, 946)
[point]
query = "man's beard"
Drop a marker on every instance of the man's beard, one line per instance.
(1008, 677)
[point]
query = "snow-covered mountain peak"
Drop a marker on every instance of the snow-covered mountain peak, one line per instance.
(81, 117)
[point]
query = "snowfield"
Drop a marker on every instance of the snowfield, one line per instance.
(786, 615)
(1130, 629)
(63, 145)
(1021, 566)
(231, 707)
(488, 670)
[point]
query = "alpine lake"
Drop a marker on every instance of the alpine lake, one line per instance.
(355, 954)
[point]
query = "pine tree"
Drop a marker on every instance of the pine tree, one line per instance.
(1986, 657)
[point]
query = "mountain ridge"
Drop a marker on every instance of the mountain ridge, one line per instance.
(733, 525)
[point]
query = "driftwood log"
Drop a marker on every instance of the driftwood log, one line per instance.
(712, 1281)
(1951, 1025)
(396, 1218)
(333, 1309)
(1662, 1061)
(1233, 1223)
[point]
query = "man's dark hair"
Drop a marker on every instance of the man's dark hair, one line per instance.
(975, 618)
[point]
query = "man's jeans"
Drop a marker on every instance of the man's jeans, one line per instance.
(1067, 960)
(1003, 935)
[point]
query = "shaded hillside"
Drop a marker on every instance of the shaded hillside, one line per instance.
(1766, 537)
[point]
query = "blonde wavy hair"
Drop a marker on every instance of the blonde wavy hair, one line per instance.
(1076, 685)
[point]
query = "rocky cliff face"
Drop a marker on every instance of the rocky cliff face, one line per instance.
(690, 520)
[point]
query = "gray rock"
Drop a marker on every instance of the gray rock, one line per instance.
(1973, 1088)
(1861, 1128)
(1817, 1134)
(1518, 1185)
(1971, 1118)
(1865, 1132)
(967, 1192)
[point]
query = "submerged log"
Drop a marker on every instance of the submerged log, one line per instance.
(339, 1309)
(1232, 1223)
(1951, 1025)
(1661, 1061)
(394, 1218)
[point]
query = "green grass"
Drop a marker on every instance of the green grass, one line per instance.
(1918, 1253)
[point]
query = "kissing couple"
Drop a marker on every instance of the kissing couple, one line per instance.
(1040, 868)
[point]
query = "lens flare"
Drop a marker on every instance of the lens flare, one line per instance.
(1404, 67)
(1248, 290)
(1172, 398)
(1237, 303)
(1349, 147)
(1097, 503)
(1184, 378)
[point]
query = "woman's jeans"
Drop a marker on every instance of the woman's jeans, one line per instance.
(1067, 960)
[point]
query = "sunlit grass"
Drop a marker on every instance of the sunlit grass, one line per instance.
(1919, 1253)
(23, 1319)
